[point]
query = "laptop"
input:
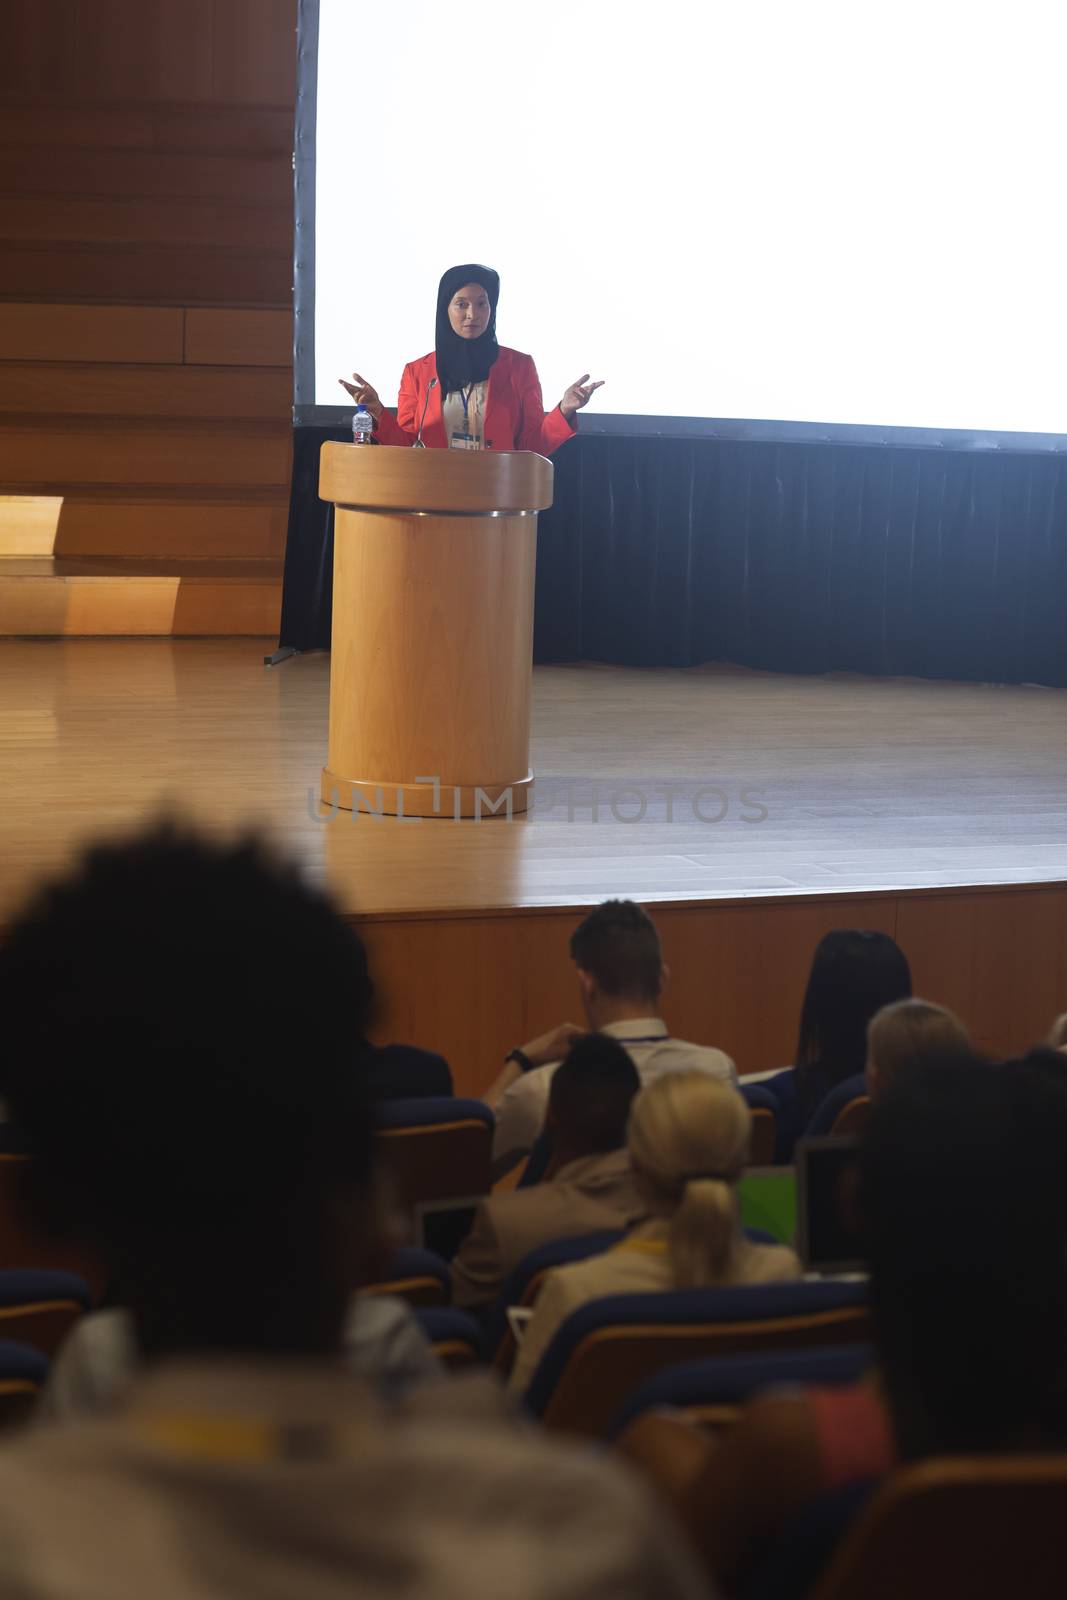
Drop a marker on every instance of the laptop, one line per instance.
(829, 1239)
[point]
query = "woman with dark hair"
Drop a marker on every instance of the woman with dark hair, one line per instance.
(853, 975)
(471, 393)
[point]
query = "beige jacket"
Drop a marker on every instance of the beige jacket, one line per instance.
(585, 1196)
(256, 1482)
(639, 1265)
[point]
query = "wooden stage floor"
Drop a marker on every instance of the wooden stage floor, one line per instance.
(912, 806)
(741, 783)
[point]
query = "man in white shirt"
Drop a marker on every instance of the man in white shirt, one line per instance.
(617, 953)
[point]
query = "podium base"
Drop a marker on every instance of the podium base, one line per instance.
(435, 801)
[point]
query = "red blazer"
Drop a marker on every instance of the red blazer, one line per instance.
(515, 418)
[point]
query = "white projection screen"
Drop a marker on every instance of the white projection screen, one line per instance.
(751, 218)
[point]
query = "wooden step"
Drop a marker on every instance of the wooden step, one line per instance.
(247, 525)
(91, 598)
(29, 524)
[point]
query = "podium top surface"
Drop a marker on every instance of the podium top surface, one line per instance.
(398, 478)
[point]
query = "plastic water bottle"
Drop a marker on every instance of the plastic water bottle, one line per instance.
(362, 426)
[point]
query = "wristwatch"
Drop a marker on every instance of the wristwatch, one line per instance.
(521, 1060)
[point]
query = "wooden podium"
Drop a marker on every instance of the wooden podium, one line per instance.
(433, 592)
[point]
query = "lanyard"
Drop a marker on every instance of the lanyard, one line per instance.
(465, 396)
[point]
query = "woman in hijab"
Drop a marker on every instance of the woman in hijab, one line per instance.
(471, 393)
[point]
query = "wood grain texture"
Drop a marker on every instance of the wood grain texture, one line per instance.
(34, 332)
(95, 599)
(130, 220)
(29, 524)
(145, 173)
(231, 336)
(922, 809)
(154, 50)
(148, 174)
(133, 124)
(397, 478)
(432, 651)
(140, 391)
(432, 626)
(126, 453)
(173, 274)
(131, 525)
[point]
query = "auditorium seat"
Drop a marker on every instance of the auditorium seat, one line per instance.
(22, 1373)
(605, 1350)
(23, 1246)
(843, 1112)
(764, 1108)
(710, 1392)
(523, 1284)
(437, 1148)
(984, 1527)
(38, 1308)
(455, 1336)
(418, 1276)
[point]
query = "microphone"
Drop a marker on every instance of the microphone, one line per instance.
(431, 386)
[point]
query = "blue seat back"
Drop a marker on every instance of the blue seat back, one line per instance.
(436, 1149)
(729, 1381)
(22, 1374)
(764, 1109)
(523, 1282)
(37, 1307)
(843, 1095)
(607, 1348)
(455, 1335)
(420, 1277)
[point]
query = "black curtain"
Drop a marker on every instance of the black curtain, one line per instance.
(790, 557)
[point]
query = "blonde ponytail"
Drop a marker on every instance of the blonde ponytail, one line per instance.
(704, 1233)
(688, 1139)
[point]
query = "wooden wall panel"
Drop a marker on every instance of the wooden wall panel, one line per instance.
(145, 175)
(239, 337)
(70, 219)
(52, 388)
(125, 455)
(148, 174)
(37, 45)
(254, 51)
(1003, 967)
(175, 275)
(153, 50)
(145, 49)
(31, 332)
(473, 987)
(213, 130)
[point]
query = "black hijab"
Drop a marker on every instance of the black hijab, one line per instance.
(462, 361)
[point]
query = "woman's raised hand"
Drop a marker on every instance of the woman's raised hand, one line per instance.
(364, 394)
(579, 394)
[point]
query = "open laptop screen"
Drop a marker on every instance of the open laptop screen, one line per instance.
(828, 1229)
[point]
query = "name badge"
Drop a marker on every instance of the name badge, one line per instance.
(466, 441)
